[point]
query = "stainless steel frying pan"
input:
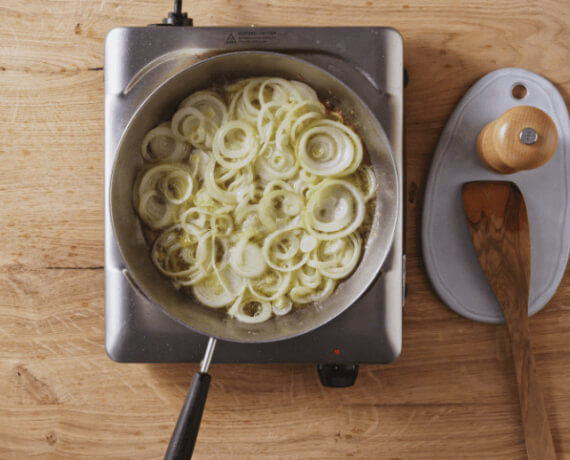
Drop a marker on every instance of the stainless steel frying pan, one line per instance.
(160, 106)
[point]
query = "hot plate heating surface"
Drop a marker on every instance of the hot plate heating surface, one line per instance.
(369, 60)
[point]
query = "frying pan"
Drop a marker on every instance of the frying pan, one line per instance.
(160, 106)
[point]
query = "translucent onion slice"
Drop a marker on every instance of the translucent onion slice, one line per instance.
(267, 121)
(213, 189)
(274, 162)
(329, 148)
(198, 161)
(365, 179)
(160, 144)
(276, 184)
(195, 220)
(159, 189)
(303, 182)
(202, 198)
(278, 90)
(247, 259)
(212, 252)
(212, 293)
(250, 310)
(305, 91)
(246, 215)
(309, 276)
(235, 144)
(297, 116)
(174, 254)
(221, 224)
(308, 243)
(209, 103)
(154, 210)
(190, 125)
(173, 180)
(336, 259)
(372, 183)
(244, 102)
(245, 211)
(250, 98)
(278, 207)
(176, 186)
(282, 250)
(334, 209)
(270, 286)
(281, 306)
(305, 294)
(302, 122)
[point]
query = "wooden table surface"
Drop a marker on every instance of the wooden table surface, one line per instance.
(450, 395)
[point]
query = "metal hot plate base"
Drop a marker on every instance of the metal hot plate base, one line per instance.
(369, 60)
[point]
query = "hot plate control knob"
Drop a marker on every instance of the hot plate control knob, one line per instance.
(337, 375)
(523, 137)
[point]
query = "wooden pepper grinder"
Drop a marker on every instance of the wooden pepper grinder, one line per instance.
(523, 137)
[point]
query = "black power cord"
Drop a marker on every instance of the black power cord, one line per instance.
(177, 17)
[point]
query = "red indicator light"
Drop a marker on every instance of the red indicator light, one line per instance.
(336, 351)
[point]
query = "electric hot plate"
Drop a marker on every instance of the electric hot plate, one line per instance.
(370, 61)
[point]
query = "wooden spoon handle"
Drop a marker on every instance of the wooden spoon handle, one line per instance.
(498, 223)
(538, 438)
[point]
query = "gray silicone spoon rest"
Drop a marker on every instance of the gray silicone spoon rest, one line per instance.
(448, 252)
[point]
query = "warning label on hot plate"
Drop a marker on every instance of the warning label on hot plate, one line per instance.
(251, 37)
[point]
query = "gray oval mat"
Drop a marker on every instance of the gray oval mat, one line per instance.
(449, 256)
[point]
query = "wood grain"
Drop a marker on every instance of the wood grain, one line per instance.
(498, 224)
(450, 395)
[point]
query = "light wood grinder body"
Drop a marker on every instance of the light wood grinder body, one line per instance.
(522, 138)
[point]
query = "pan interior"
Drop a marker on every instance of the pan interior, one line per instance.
(160, 106)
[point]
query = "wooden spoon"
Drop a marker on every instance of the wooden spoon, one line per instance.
(498, 223)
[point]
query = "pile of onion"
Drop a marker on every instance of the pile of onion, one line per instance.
(257, 195)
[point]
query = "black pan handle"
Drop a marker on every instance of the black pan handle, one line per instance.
(186, 431)
(184, 436)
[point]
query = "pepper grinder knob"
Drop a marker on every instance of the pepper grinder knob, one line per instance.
(523, 137)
